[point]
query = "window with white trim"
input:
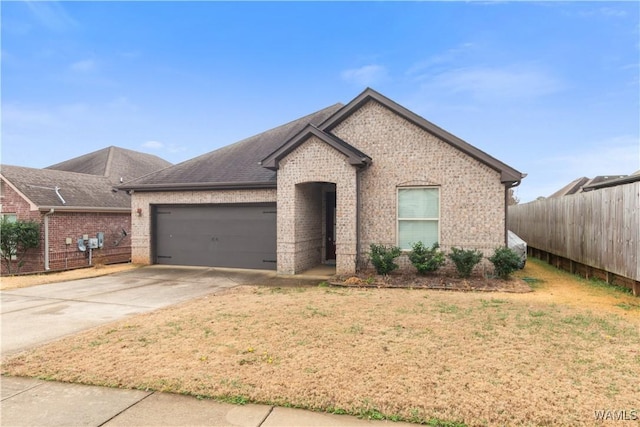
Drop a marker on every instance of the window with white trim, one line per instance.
(418, 216)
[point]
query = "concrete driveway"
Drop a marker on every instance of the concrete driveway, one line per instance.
(39, 314)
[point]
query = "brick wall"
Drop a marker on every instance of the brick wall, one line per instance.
(73, 225)
(315, 161)
(12, 203)
(143, 201)
(308, 226)
(471, 195)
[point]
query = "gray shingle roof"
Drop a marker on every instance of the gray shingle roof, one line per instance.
(234, 165)
(238, 165)
(114, 163)
(623, 179)
(582, 184)
(79, 191)
(573, 187)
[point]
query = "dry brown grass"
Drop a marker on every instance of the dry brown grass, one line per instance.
(23, 281)
(551, 357)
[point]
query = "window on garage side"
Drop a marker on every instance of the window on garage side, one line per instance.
(418, 216)
(10, 217)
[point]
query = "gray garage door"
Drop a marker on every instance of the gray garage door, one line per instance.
(239, 236)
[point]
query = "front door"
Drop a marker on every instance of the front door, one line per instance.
(330, 243)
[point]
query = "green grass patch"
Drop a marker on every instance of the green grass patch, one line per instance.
(628, 306)
(443, 307)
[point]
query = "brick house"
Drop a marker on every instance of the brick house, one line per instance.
(73, 200)
(320, 190)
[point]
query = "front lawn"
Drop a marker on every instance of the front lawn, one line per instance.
(418, 355)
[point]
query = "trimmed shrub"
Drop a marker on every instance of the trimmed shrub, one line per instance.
(16, 239)
(465, 260)
(505, 261)
(383, 257)
(426, 260)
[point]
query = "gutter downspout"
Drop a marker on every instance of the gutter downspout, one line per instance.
(357, 220)
(506, 216)
(46, 238)
(506, 209)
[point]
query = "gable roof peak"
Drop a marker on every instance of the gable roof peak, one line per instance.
(355, 156)
(508, 175)
(114, 163)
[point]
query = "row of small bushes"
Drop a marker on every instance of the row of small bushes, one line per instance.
(427, 260)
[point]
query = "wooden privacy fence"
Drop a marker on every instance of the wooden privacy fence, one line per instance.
(599, 229)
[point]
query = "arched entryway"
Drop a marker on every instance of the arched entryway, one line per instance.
(314, 225)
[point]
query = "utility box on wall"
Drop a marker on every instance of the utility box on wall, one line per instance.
(93, 243)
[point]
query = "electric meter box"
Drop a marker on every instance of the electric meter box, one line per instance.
(93, 243)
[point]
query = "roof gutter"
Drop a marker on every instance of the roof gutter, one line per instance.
(200, 186)
(83, 209)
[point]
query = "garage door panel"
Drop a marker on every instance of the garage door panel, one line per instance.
(240, 236)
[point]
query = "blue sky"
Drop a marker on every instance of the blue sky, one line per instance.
(550, 88)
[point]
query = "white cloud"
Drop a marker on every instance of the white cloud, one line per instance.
(83, 66)
(173, 148)
(52, 15)
(154, 145)
(13, 115)
(606, 12)
(615, 155)
(439, 59)
(488, 83)
(123, 104)
(163, 148)
(366, 75)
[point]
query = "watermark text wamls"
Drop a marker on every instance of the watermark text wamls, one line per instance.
(616, 415)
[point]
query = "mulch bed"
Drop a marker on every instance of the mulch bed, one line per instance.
(439, 281)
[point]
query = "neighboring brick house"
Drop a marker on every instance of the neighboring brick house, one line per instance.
(71, 205)
(321, 189)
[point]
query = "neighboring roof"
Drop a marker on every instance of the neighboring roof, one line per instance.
(118, 164)
(585, 184)
(355, 156)
(46, 189)
(612, 182)
(508, 175)
(236, 165)
(573, 187)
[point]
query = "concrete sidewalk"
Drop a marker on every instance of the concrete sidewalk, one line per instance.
(30, 402)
